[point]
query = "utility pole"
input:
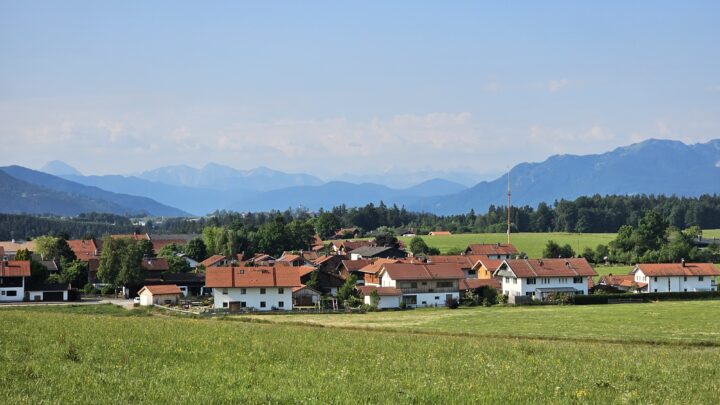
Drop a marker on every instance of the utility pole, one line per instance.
(508, 207)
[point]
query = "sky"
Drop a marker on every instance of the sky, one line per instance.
(334, 87)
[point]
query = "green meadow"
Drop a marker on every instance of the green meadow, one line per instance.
(530, 243)
(636, 353)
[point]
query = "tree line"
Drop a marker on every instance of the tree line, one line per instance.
(584, 214)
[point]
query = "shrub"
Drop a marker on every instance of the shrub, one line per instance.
(403, 304)
(452, 303)
(90, 289)
(486, 302)
(108, 290)
(502, 299)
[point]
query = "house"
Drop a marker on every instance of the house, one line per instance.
(214, 261)
(292, 259)
(261, 259)
(376, 252)
(13, 278)
(84, 249)
(343, 247)
(329, 264)
(485, 266)
(543, 278)
(369, 275)
(352, 267)
(49, 292)
(256, 288)
(388, 297)
(159, 295)
(676, 277)
(440, 233)
(620, 283)
(423, 284)
(347, 233)
(305, 296)
(11, 247)
(499, 251)
(192, 263)
(189, 283)
(467, 263)
(328, 283)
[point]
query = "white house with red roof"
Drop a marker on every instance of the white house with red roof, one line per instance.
(13, 278)
(423, 284)
(541, 278)
(256, 288)
(676, 277)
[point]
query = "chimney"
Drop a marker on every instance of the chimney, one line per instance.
(497, 244)
(540, 262)
(682, 262)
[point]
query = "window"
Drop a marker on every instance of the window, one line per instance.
(562, 280)
(413, 284)
(654, 278)
(472, 272)
(243, 291)
(528, 294)
(281, 291)
(2, 292)
(437, 298)
(655, 290)
(424, 302)
(701, 278)
(262, 304)
(531, 281)
(13, 293)
(545, 280)
(281, 304)
(243, 304)
(224, 291)
(577, 280)
(262, 291)
(685, 289)
(685, 278)
(441, 284)
(448, 297)
(225, 304)
(424, 283)
(410, 299)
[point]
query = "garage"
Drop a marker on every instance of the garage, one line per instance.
(54, 296)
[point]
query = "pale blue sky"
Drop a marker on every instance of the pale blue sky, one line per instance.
(327, 87)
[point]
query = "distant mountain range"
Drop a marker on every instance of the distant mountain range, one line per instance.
(29, 191)
(649, 167)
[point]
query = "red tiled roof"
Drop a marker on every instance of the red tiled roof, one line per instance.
(374, 267)
(212, 260)
(304, 270)
(83, 249)
(162, 289)
(15, 268)
(230, 277)
(524, 268)
(421, 271)
(155, 264)
(473, 283)
(355, 265)
(624, 280)
(677, 269)
(489, 264)
(10, 246)
(382, 291)
(492, 249)
(289, 258)
(465, 261)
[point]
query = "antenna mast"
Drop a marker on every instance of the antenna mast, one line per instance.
(508, 208)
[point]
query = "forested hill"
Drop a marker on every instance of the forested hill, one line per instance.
(584, 214)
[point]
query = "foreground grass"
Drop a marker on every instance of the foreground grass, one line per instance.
(530, 243)
(89, 358)
(671, 322)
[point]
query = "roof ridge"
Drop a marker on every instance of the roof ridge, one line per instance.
(531, 267)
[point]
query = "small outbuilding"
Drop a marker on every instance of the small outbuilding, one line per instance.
(388, 297)
(49, 292)
(305, 296)
(159, 294)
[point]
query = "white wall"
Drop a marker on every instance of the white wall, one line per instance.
(520, 286)
(252, 297)
(430, 300)
(40, 296)
(385, 301)
(674, 284)
(19, 292)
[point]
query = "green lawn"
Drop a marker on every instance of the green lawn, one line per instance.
(711, 233)
(530, 243)
(688, 322)
(51, 356)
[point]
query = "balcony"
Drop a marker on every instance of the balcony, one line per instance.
(429, 290)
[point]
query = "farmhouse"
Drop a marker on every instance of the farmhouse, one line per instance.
(499, 251)
(257, 288)
(214, 261)
(676, 277)
(159, 295)
(388, 297)
(305, 296)
(423, 284)
(13, 275)
(543, 278)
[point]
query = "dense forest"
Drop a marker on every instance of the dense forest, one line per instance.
(585, 214)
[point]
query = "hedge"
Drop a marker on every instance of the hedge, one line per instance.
(646, 297)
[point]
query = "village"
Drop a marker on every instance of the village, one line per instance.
(345, 274)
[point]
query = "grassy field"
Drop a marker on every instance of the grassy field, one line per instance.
(711, 233)
(52, 355)
(530, 243)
